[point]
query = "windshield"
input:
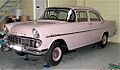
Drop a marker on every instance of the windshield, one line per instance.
(61, 14)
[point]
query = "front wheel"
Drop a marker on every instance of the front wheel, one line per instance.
(55, 54)
(103, 41)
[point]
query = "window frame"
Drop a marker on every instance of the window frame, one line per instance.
(78, 11)
(96, 13)
(53, 8)
(74, 14)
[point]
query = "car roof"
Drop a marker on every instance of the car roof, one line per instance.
(75, 7)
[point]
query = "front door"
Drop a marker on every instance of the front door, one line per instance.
(84, 35)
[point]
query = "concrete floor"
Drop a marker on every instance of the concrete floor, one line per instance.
(83, 58)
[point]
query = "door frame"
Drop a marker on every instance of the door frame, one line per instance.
(34, 8)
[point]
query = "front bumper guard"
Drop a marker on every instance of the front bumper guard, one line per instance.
(28, 50)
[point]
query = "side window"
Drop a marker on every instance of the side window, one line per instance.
(82, 16)
(62, 15)
(94, 16)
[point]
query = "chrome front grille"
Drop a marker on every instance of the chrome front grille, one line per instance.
(26, 41)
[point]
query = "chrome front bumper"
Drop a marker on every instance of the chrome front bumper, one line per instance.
(29, 50)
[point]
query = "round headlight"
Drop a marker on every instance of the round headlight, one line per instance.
(38, 43)
(35, 33)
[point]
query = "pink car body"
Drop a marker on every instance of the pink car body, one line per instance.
(74, 34)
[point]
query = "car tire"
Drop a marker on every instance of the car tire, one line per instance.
(20, 53)
(54, 54)
(103, 41)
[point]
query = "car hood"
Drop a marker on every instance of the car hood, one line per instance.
(25, 28)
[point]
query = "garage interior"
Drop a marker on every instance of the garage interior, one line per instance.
(83, 58)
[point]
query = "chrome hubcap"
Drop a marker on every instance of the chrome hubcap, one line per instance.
(57, 54)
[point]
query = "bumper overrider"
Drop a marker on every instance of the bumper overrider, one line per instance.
(26, 45)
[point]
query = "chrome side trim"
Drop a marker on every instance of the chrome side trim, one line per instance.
(66, 34)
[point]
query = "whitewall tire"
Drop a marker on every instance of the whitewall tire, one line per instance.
(54, 54)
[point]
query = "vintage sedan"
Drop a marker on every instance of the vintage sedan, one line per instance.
(59, 29)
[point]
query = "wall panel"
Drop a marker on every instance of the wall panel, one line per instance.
(62, 2)
(109, 10)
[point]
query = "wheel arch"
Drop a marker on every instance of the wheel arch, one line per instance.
(106, 33)
(62, 42)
